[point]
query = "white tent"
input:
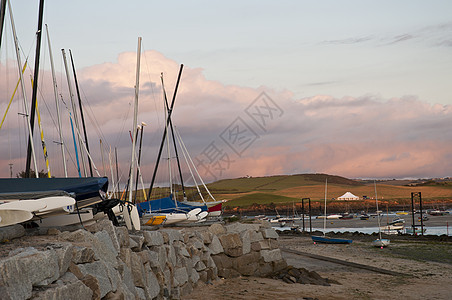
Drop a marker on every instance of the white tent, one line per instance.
(348, 196)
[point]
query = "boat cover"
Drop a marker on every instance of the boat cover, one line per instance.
(166, 205)
(33, 188)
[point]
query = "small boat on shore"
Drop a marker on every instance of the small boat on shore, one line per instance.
(417, 230)
(381, 243)
(328, 240)
(364, 217)
(324, 239)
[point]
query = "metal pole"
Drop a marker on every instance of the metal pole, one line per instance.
(24, 94)
(134, 125)
(139, 159)
(420, 208)
(164, 132)
(35, 88)
(413, 225)
(81, 113)
(74, 109)
(302, 212)
(2, 19)
(310, 221)
(117, 170)
(55, 91)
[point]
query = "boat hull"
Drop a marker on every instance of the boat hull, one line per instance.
(327, 240)
(381, 243)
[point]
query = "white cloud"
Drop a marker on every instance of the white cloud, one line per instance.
(354, 137)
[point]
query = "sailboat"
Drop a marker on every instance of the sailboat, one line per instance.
(324, 239)
(379, 242)
(174, 210)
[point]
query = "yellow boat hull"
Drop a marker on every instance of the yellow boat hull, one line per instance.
(154, 220)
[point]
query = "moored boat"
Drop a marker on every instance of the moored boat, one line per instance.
(328, 240)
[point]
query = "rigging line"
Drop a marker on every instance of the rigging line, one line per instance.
(64, 143)
(43, 143)
(179, 140)
(91, 115)
(155, 102)
(14, 93)
(194, 166)
(122, 129)
(153, 93)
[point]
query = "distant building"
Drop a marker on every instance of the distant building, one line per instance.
(348, 197)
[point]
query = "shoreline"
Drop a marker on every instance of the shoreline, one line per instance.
(425, 278)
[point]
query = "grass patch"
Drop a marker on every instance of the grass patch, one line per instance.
(258, 198)
(423, 251)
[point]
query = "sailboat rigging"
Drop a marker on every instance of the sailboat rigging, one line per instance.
(379, 242)
(324, 239)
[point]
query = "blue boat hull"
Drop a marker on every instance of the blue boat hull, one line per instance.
(327, 240)
(166, 205)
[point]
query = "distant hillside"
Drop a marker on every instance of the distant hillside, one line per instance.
(276, 183)
(288, 190)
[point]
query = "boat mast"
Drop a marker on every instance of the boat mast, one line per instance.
(138, 164)
(174, 142)
(378, 214)
(81, 113)
(117, 169)
(35, 88)
(324, 219)
(2, 19)
(164, 133)
(19, 63)
(74, 109)
(135, 112)
(55, 90)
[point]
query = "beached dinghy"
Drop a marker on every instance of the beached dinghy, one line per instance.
(381, 243)
(14, 216)
(324, 239)
(328, 240)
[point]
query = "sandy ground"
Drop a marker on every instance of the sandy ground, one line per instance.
(425, 280)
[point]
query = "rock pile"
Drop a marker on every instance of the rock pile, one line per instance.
(107, 262)
(301, 275)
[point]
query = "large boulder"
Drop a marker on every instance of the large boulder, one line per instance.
(232, 244)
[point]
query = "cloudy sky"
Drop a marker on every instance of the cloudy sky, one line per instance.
(352, 88)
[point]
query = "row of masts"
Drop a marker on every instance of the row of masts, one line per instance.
(81, 143)
(30, 118)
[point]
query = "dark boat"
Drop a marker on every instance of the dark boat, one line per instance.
(328, 240)
(364, 217)
(86, 191)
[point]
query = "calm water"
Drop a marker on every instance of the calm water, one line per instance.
(438, 230)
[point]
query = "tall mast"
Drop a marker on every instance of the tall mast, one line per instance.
(19, 63)
(324, 219)
(81, 113)
(102, 155)
(2, 18)
(378, 213)
(55, 91)
(138, 162)
(35, 86)
(164, 132)
(135, 112)
(174, 143)
(74, 109)
(117, 168)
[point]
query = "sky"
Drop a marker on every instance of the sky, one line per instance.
(359, 89)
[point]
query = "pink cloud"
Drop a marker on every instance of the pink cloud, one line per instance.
(354, 137)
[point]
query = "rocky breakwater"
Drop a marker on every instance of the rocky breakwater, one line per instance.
(107, 262)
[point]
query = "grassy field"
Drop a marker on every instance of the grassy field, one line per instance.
(244, 192)
(285, 190)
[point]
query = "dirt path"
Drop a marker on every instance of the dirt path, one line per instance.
(428, 280)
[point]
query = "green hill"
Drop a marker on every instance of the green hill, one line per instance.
(276, 183)
(260, 199)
